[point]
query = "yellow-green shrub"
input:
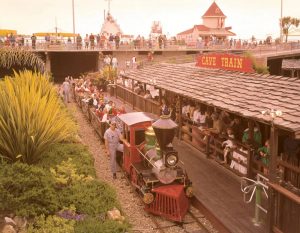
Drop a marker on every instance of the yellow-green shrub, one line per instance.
(31, 117)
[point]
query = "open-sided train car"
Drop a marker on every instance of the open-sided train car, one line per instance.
(150, 162)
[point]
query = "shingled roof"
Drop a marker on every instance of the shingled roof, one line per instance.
(243, 94)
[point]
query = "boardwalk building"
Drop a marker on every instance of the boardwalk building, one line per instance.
(213, 27)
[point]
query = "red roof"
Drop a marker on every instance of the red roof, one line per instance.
(198, 27)
(201, 27)
(189, 31)
(213, 11)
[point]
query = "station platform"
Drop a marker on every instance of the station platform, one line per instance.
(217, 188)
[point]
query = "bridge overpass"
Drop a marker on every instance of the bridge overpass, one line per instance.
(63, 60)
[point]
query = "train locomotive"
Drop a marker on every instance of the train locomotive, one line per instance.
(151, 164)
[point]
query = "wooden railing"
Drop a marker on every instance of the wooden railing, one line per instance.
(138, 102)
(290, 174)
(287, 210)
(240, 159)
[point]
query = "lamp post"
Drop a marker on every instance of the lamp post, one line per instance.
(273, 163)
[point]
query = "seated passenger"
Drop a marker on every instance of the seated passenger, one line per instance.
(173, 112)
(237, 128)
(121, 110)
(137, 89)
(94, 101)
(164, 109)
(228, 144)
(186, 110)
(109, 106)
(208, 120)
(147, 95)
(196, 115)
(201, 119)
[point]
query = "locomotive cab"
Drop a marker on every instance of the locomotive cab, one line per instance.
(151, 163)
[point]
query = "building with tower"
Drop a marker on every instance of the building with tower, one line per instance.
(110, 26)
(213, 27)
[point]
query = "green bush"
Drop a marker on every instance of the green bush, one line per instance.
(93, 225)
(258, 68)
(27, 190)
(79, 154)
(51, 224)
(31, 117)
(91, 198)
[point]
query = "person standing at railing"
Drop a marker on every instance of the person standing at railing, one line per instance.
(92, 41)
(79, 42)
(33, 41)
(98, 38)
(86, 41)
(117, 41)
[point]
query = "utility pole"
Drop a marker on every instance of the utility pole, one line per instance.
(73, 11)
(73, 16)
(281, 29)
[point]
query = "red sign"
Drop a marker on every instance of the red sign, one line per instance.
(225, 62)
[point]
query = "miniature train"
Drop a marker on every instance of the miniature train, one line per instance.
(150, 162)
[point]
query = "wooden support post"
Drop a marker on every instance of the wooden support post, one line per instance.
(272, 175)
(293, 73)
(249, 163)
(251, 131)
(160, 96)
(180, 118)
(133, 95)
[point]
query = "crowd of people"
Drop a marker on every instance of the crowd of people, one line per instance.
(224, 127)
(98, 100)
(105, 41)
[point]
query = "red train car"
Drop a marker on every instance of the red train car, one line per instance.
(151, 164)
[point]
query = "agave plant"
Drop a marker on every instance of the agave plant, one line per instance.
(15, 58)
(32, 117)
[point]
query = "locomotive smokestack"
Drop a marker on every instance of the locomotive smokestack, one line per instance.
(165, 130)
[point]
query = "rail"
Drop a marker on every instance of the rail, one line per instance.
(63, 45)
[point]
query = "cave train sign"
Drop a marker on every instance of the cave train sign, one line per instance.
(225, 62)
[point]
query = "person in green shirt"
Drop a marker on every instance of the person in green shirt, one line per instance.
(256, 136)
(264, 154)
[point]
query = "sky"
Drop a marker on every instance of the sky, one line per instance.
(246, 17)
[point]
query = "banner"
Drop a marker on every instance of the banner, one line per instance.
(225, 62)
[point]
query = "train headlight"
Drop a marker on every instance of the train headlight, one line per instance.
(148, 198)
(171, 159)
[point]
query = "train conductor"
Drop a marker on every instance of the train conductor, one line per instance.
(112, 138)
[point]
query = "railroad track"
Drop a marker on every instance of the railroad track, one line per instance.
(194, 222)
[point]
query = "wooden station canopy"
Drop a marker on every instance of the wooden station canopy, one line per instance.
(5, 32)
(62, 34)
(244, 94)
